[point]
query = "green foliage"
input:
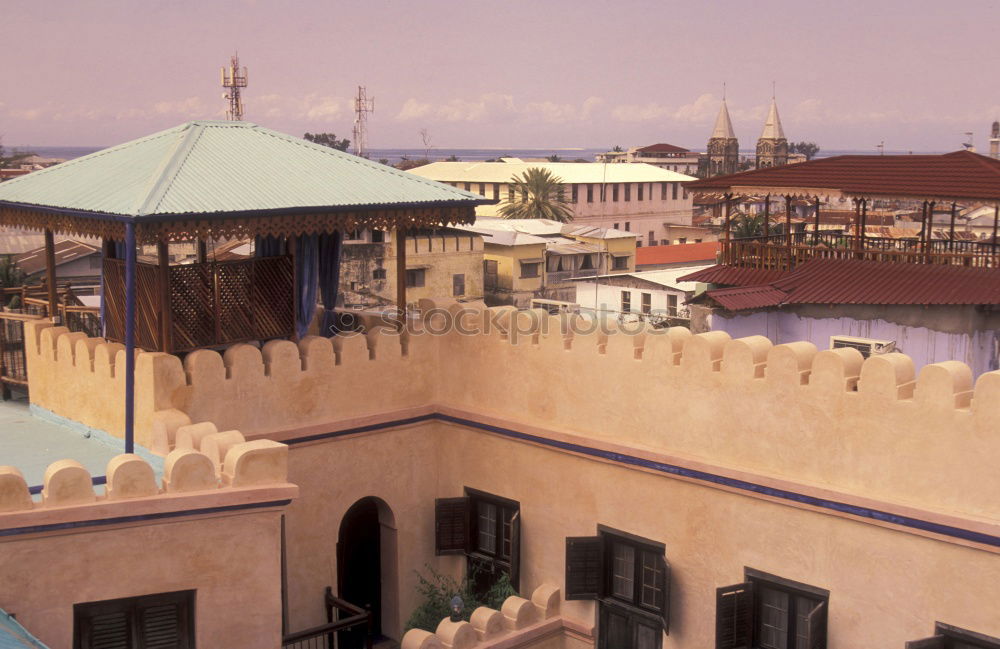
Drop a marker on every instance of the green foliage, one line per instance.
(383, 161)
(454, 158)
(10, 274)
(328, 139)
(437, 590)
(617, 149)
(537, 195)
(809, 149)
(750, 225)
(553, 158)
(14, 157)
(405, 163)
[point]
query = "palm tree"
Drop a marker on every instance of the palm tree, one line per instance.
(537, 195)
(745, 226)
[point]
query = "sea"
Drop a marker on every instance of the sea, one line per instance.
(394, 156)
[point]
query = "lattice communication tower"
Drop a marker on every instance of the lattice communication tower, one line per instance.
(234, 78)
(362, 106)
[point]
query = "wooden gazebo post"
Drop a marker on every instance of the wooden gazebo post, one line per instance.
(129, 336)
(951, 227)
(996, 220)
(163, 275)
(788, 230)
(401, 276)
(727, 253)
(50, 275)
(767, 217)
(816, 230)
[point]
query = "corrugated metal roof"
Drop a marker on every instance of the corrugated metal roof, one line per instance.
(221, 167)
(675, 254)
(66, 251)
(15, 636)
(569, 172)
(958, 175)
(733, 275)
(853, 281)
(662, 147)
(573, 249)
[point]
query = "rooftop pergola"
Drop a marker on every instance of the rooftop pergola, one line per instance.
(931, 180)
(204, 181)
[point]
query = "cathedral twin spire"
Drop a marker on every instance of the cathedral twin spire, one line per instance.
(723, 147)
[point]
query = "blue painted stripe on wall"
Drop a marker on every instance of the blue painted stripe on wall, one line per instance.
(36, 529)
(672, 469)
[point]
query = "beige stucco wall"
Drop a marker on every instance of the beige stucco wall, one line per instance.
(232, 561)
(442, 256)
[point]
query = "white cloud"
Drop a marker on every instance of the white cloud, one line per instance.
(497, 107)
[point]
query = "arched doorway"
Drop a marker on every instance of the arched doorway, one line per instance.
(366, 567)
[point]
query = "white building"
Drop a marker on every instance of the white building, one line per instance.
(653, 295)
(665, 156)
(637, 198)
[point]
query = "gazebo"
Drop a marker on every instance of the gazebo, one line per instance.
(928, 180)
(204, 181)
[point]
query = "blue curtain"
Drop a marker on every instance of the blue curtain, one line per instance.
(119, 253)
(329, 280)
(306, 272)
(268, 246)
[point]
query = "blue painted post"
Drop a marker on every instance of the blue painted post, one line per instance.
(129, 337)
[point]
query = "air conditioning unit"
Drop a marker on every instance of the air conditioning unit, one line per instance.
(867, 346)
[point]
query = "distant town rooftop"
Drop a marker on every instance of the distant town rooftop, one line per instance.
(662, 148)
(569, 172)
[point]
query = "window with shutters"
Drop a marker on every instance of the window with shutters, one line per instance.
(485, 528)
(164, 621)
(769, 612)
(630, 579)
(947, 636)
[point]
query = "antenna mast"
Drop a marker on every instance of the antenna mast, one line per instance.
(362, 106)
(233, 79)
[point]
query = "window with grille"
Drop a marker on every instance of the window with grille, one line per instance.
(378, 273)
(458, 284)
(626, 301)
(614, 192)
(630, 578)
(628, 191)
(164, 621)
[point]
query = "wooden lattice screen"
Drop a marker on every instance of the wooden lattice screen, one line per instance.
(147, 311)
(215, 303)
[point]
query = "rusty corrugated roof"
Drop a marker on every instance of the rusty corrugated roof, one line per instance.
(853, 281)
(958, 175)
(67, 250)
(734, 275)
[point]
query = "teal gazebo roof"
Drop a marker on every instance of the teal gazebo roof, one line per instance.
(212, 171)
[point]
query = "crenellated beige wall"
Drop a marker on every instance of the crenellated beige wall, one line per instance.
(825, 424)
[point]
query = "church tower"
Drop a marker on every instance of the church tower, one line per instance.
(723, 147)
(772, 147)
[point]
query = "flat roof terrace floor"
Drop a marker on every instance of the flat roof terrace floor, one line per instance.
(31, 443)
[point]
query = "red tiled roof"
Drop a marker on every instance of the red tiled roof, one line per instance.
(662, 148)
(682, 252)
(958, 175)
(853, 281)
(733, 275)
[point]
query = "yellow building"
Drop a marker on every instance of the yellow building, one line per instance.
(534, 259)
(445, 261)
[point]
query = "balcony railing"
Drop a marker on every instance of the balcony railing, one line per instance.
(325, 636)
(784, 252)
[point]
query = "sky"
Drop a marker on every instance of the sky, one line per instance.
(913, 74)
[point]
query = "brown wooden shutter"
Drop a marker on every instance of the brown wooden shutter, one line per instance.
(515, 551)
(664, 589)
(816, 627)
(933, 642)
(584, 567)
(451, 525)
(734, 616)
(105, 631)
(163, 625)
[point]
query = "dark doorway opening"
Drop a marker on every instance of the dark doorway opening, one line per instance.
(359, 568)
